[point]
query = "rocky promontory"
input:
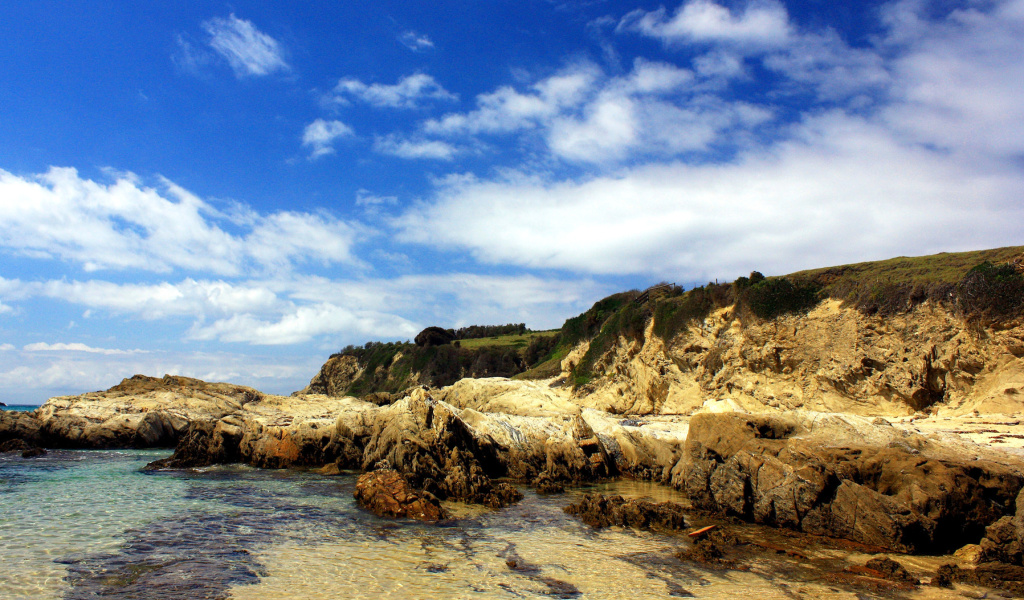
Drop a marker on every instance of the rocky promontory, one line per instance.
(894, 428)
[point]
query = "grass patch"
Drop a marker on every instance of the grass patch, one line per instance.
(506, 341)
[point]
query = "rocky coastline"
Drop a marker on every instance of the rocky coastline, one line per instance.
(895, 474)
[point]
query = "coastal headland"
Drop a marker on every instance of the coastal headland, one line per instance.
(880, 404)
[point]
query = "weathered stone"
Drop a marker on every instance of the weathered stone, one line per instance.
(778, 470)
(387, 494)
(599, 510)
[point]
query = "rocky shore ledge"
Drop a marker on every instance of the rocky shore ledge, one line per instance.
(887, 483)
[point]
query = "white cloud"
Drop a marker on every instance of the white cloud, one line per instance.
(506, 110)
(320, 136)
(801, 203)
(957, 83)
(409, 92)
(249, 51)
(76, 347)
(190, 298)
(304, 323)
(761, 23)
(415, 148)
(123, 225)
(365, 198)
(6, 347)
(417, 42)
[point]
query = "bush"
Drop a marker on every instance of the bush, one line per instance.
(770, 298)
(991, 291)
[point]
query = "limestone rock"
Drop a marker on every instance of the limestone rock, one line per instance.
(387, 494)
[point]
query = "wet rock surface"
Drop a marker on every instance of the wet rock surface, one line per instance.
(599, 510)
(386, 493)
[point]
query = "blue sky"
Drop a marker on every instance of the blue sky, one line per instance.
(232, 191)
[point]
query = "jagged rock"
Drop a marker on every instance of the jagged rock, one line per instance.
(804, 475)
(387, 494)
(545, 484)
(436, 450)
(599, 510)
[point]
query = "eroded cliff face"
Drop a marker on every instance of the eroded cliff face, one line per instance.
(833, 359)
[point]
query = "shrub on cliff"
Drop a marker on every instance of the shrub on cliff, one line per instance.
(991, 291)
(771, 297)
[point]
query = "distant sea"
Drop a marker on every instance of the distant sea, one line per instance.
(20, 407)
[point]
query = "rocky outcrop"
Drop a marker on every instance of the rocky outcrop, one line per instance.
(19, 426)
(599, 510)
(334, 377)
(386, 493)
(832, 359)
(435, 450)
(843, 477)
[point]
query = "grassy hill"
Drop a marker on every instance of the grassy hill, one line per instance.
(985, 285)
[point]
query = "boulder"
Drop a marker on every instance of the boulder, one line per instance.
(599, 510)
(387, 494)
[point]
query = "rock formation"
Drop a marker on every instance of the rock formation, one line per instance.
(386, 493)
(598, 510)
(843, 477)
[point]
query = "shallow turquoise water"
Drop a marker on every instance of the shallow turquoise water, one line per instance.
(90, 524)
(20, 407)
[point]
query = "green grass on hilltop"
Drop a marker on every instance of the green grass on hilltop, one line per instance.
(512, 341)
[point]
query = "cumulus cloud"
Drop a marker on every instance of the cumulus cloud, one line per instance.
(417, 42)
(394, 145)
(76, 347)
(125, 225)
(320, 136)
(304, 323)
(6, 347)
(249, 51)
(802, 203)
(760, 23)
(409, 92)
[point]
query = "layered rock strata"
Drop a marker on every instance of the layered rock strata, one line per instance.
(844, 477)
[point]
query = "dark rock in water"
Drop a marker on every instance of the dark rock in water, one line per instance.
(204, 443)
(992, 575)
(387, 494)
(15, 446)
(545, 484)
(2, 405)
(760, 469)
(891, 570)
(33, 452)
(598, 510)
(27, 450)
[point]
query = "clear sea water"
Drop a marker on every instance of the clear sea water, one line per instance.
(20, 407)
(90, 524)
